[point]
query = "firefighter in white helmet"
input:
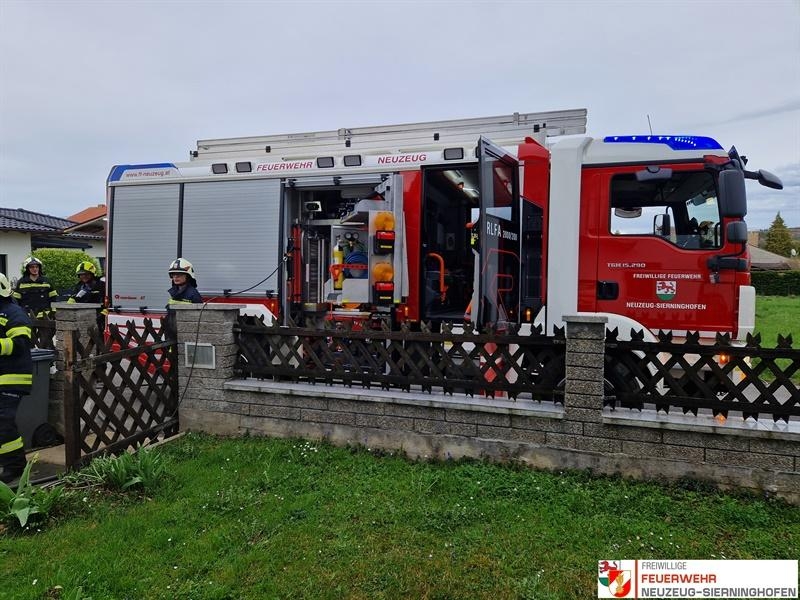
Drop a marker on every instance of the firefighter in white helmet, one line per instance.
(16, 380)
(184, 285)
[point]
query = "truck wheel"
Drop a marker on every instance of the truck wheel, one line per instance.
(618, 380)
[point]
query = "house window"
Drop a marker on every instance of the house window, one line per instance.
(4, 264)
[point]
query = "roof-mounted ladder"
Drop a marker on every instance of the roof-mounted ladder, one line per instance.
(502, 130)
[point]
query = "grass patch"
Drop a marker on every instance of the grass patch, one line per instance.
(264, 518)
(778, 315)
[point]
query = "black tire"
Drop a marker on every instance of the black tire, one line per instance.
(618, 378)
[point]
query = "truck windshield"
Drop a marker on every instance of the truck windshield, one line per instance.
(682, 210)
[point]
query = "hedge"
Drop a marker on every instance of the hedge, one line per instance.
(776, 283)
(60, 265)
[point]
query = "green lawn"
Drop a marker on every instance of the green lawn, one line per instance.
(778, 315)
(262, 518)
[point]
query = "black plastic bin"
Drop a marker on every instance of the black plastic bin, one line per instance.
(32, 413)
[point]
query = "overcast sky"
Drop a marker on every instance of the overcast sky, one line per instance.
(87, 85)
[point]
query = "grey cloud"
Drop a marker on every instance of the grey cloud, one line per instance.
(769, 111)
(780, 109)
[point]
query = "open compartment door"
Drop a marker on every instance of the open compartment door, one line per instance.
(497, 297)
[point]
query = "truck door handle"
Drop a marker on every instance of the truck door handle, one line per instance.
(607, 290)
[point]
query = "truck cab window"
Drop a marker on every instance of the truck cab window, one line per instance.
(681, 209)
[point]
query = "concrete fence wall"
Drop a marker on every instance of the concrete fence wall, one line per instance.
(760, 456)
(69, 318)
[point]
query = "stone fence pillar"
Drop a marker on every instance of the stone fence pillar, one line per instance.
(583, 396)
(69, 318)
(210, 328)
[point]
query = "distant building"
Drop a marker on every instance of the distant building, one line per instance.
(22, 231)
(761, 260)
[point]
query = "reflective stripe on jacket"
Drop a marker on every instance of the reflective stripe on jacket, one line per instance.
(35, 296)
(16, 366)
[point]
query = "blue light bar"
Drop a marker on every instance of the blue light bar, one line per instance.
(676, 142)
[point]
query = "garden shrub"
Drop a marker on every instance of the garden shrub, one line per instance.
(776, 283)
(60, 265)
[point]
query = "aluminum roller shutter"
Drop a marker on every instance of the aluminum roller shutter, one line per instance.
(144, 224)
(231, 234)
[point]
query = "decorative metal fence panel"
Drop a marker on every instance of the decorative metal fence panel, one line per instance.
(749, 380)
(448, 359)
(122, 389)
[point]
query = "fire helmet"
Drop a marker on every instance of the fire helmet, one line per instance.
(86, 266)
(32, 260)
(181, 266)
(5, 286)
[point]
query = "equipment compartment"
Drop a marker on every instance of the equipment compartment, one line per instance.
(340, 257)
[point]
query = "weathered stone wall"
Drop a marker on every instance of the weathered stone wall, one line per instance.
(69, 318)
(580, 435)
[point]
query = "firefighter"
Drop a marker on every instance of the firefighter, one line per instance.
(183, 291)
(33, 291)
(184, 285)
(16, 379)
(90, 290)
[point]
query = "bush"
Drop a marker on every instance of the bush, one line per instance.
(60, 265)
(776, 283)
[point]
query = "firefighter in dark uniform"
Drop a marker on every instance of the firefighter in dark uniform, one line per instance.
(184, 285)
(16, 379)
(34, 292)
(183, 290)
(89, 290)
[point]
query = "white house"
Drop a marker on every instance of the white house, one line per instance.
(22, 231)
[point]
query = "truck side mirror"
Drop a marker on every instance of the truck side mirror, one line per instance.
(769, 180)
(736, 232)
(662, 225)
(732, 195)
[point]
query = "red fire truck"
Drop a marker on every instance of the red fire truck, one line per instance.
(513, 219)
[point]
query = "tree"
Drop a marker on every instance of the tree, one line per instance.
(779, 240)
